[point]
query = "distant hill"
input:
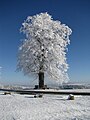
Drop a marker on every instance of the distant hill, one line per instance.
(63, 86)
(75, 86)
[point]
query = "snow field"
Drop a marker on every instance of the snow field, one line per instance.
(49, 107)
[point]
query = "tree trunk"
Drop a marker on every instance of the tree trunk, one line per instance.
(41, 80)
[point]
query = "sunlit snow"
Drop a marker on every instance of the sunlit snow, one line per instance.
(49, 107)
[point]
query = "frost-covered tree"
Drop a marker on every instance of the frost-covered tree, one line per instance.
(43, 51)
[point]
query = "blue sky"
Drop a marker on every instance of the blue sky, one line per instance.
(74, 13)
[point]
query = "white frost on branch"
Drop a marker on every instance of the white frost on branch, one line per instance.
(44, 48)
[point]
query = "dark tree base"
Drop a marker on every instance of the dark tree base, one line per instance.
(41, 80)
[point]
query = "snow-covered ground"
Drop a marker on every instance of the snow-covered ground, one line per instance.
(49, 107)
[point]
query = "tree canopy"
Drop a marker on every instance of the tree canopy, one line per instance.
(44, 47)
